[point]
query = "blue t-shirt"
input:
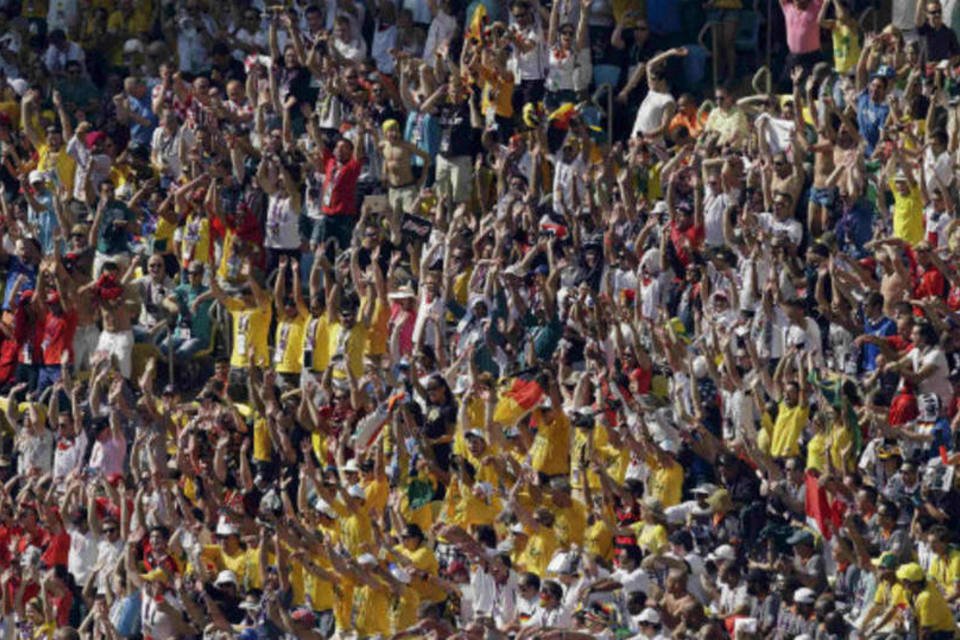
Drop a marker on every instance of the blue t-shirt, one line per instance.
(870, 119)
(422, 130)
(142, 135)
(855, 228)
(884, 327)
(15, 267)
(45, 221)
(940, 430)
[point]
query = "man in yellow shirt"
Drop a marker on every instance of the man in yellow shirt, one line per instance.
(53, 159)
(550, 451)
(933, 615)
(792, 414)
(908, 219)
(251, 314)
(292, 317)
(944, 563)
(419, 557)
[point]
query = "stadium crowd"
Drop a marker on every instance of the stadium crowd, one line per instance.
(488, 320)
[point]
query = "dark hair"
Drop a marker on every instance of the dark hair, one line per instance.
(553, 588)
(928, 334)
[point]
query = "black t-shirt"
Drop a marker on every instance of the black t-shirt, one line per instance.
(457, 135)
(939, 44)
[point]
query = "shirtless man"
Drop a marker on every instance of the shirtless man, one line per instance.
(73, 272)
(397, 171)
(117, 313)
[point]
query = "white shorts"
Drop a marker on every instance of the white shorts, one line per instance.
(119, 344)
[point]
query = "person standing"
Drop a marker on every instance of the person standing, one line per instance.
(803, 35)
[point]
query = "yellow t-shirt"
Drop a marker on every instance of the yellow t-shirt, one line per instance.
(403, 612)
(288, 343)
(468, 511)
(163, 236)
(946, 571)
(59, 161)
(908, 222)
(377, 492)
(250, 327)
(424, 560)
(666, 482)
(785, 440)
(319, 591)
(570, 523)
(932, 611)
(550, 451)
(888, 596)
(371, 610)
(496, 94)
(356, 529)
(830, 442)
(238, 562)
(316, 343)
(598, 540)
(539, 551)
(350, 344)
(846, 48)
(195, 240)
(379, 333)
(650, 537)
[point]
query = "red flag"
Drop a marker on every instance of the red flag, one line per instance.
(820, 514)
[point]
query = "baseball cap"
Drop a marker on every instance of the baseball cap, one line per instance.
(649, 616)
(804, 595)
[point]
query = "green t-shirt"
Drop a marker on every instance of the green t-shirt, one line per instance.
(112, 234)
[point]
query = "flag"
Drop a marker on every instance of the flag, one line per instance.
(562, 115)
(478, 22)
(518, 395)
(371, 426)
(821, 515)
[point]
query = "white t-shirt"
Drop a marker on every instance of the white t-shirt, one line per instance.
(283, 225)
(939, 381)
(68, 455)
(108, 455)
(565, 176)
(791, 228)
(530, 65)
(936, 225)
(938, 169)
(442, 28)
(82, 556)
(807, 338)
(564, 72)
(157, 623)
(650, 115)
(715, 204)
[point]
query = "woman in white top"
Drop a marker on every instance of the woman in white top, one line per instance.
(659, 107)
(568, 59)
(925, 366)
(283, 209)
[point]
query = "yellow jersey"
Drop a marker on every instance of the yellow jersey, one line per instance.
(250, 328)
(288, 343)
(550, 451)
(785, 440)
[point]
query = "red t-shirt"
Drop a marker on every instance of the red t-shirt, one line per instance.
(685, 241)
(339, 185)
(57, 337)
(932, 283)
(57, 551)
